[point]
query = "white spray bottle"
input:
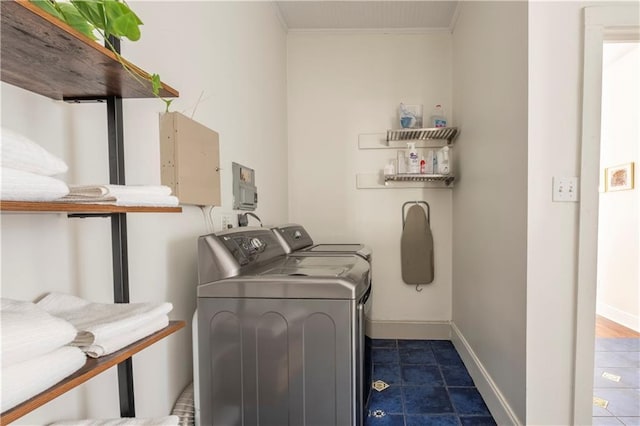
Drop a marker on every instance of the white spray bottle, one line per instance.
(443, 161)
(414, 162)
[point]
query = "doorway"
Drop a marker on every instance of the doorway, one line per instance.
(602, 24)
(616, 387)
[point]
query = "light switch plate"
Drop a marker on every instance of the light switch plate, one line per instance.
(565, 189)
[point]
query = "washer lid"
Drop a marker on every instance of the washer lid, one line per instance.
(359, 249)
(315, 277)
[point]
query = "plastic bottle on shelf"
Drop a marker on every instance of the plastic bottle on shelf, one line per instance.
(443, 161)
(401, 167)
(423, 164)
(428, 167)
(389, 169)
(414, 163)
(437, 117)
(435, 163)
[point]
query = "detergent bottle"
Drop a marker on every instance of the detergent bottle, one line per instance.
(414, 163)
(437, 117)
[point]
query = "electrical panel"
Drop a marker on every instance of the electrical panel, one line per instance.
(245, 192)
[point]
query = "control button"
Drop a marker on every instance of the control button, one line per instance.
(297, 235)
(256, 243)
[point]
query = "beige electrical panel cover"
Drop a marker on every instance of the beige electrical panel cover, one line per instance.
(190, 160)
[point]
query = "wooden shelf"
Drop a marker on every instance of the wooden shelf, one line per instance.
(92, 368)
(52, 207)
(44, 55)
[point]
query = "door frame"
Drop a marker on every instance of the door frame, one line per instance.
(602, 23)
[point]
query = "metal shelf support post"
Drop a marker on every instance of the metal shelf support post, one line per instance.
(119, 239)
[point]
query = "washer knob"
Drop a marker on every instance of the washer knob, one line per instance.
(256, 243)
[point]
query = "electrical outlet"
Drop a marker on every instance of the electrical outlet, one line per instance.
(565, 189)
(226, 221)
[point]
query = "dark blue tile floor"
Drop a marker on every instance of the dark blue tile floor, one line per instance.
(616, 382)
(426, 385)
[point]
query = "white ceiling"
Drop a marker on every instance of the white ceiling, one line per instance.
(360, 15)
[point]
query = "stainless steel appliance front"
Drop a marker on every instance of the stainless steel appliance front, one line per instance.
(281, 343)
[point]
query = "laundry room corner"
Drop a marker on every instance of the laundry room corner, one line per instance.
(354, 81)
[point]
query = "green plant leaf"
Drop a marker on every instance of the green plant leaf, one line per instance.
(134, 14)
(122, 22)
(156, 84)
(76, 20)
(93, 11)
(48, 7)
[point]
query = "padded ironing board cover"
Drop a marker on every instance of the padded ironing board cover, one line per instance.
(416, 248)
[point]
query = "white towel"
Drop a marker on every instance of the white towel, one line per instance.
(147, 200)
(122, 195)
(117, 190)
(133, 200)
(133, 421)
(28, 331)
(110, 345)
(18, 185)
(29, 378)
(101, 322)
(21, 153)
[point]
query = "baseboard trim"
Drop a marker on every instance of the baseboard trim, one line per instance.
(496, 402)
(616, 315)
(434, 330)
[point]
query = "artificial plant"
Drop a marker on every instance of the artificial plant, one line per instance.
(106, 18)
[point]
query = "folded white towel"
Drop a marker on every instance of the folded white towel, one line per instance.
(147, 200)
(122, 195)
(117, 190)
(133, 200)
(21, 153)
(18, 185)
(27, 331)
(114, 343)
(100, 322)
(133, 421)
(27, 379)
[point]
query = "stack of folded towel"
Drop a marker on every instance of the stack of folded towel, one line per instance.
(35, 355)
(122, 195)
(27, 170)
(104, 328)
(133, 421)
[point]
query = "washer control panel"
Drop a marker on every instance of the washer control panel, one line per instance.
(251, 247)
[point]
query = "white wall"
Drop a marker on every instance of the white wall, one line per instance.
(619, 223)
(490, 199)
(555, 109)
(195, 47)
(341, 85)
(554, 135)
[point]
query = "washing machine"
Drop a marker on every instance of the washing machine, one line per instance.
(280, 338)
(295, 240)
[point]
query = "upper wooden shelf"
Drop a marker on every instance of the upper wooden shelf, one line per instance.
(53, 207)
(92, 367)
(44, 55)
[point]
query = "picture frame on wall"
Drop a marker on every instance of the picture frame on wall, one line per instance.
(619, 178)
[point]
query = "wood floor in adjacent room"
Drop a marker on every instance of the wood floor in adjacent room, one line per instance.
(607, 328)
